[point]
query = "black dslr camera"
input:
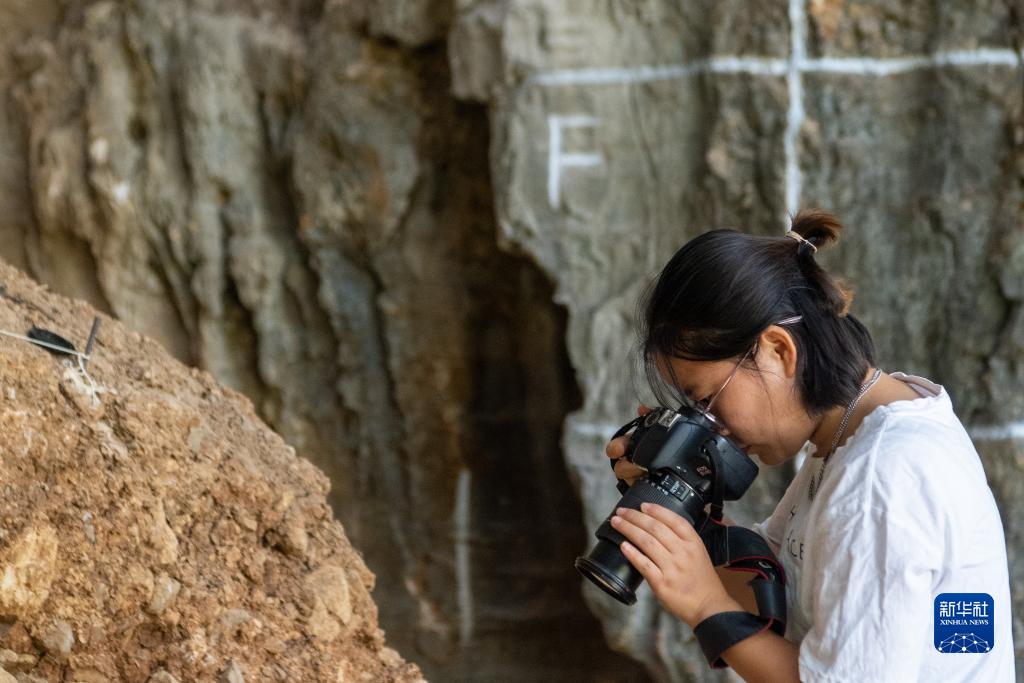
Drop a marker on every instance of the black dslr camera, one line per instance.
(688, 465)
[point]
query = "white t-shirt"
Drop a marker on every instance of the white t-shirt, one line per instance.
(903, 514)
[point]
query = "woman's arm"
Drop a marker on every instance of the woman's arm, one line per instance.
(736, 585)
(668, 552)
(766, 657)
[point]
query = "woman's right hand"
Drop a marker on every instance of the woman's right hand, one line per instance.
(616, 449)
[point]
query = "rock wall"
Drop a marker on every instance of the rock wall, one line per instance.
(413, 234)
(906, 119)
(287, 195)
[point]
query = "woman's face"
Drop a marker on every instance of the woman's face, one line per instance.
(759, 408)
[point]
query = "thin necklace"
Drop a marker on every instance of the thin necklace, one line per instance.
(812, 486)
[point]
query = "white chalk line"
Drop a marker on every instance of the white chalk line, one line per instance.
(652, 74)
(464, 592)
(1003, 432)
(774, 66)
(795, 114)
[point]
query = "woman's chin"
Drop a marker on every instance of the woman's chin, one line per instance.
(762, 454)
(764, 457)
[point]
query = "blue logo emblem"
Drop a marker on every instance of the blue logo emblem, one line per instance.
(963, 623)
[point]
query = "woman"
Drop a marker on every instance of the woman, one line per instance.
(891, 511)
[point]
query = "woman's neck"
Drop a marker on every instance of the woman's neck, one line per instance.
(829, 423)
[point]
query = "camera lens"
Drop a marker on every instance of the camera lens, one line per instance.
(609, 569)
(605, 565)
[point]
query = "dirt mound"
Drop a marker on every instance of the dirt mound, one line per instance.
(153, 528)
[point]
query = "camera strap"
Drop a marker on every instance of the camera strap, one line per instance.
(718, 490)
(622, 431)
(740, 549)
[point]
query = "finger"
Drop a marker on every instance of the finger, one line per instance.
(679, 525)
(641, 562)
(643, 410)
(665, 534)
(645, 541)
(626, 470)
(616, 448)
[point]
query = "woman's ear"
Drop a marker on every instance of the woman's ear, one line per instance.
(777, 350)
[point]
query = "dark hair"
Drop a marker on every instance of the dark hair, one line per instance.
(723, 288)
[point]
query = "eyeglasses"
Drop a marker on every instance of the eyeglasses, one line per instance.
(704, 407)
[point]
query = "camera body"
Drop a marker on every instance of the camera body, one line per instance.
(689, 464)
(683, 442)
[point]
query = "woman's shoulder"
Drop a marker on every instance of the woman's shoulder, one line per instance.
(923, 450)
(923, 423)
(916, 455)
(910, 397)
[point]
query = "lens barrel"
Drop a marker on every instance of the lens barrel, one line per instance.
(609, 569)
(605, 565)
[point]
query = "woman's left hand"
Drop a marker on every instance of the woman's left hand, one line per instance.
(666, 549)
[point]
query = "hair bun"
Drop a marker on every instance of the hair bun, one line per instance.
(821, 229)
(818, 227)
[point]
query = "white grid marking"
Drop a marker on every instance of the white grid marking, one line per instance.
(793, 68)
(463, 538)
